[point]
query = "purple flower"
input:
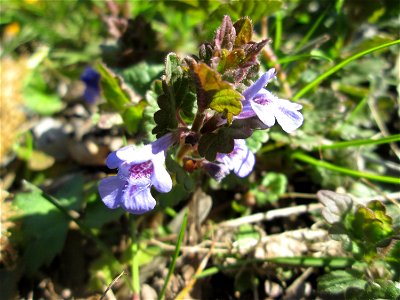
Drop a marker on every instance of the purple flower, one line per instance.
(241, 161)
(268, 107)
(138, 170)
(91, 78)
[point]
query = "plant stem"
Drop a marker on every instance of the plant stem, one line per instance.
(135, 263)
(198, 121)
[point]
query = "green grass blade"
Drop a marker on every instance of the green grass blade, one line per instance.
(313, 28)
(356, 143)
(316, 262)
(278, 31)
(301, 261)
(174, 258)
(340, 65)
(323, 164)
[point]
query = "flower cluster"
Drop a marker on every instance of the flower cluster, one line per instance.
(210, 132)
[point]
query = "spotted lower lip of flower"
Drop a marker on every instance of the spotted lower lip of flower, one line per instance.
(138, 170)
(268, 108)
(241, 161)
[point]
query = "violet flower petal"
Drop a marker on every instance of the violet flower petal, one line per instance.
(250, 92)
(162, 143)
(135, 155)
(160, 179)
(288, 116)
(246, 165)
(216, 171)
(265, 113)
(137, 198)
(113, 161)
(110, 189)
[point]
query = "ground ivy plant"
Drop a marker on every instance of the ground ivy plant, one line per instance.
(208, 106)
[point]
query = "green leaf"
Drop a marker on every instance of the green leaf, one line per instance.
(228, 102)
(42, 103)
(382, 289)
(103, 269)
(38, 97)
(273, 185)
(337, 282)
(210, 80)
(165, 117)
(140, 76)
(371, 224)
(132, 116)
(111, 88)
(69, 191)
(244, 31)
(380, 212)
(257, 139)
(44, 229)
(173, 69)
(146, 254)
(96, 213)
(119, 99)
(174, 257)
(244, 281)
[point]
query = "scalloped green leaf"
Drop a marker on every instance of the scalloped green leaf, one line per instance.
(338, 282)
(165, 117)
(273, 185)
(140, 76)
(380, 212)
(228, 102)
(176, 96)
